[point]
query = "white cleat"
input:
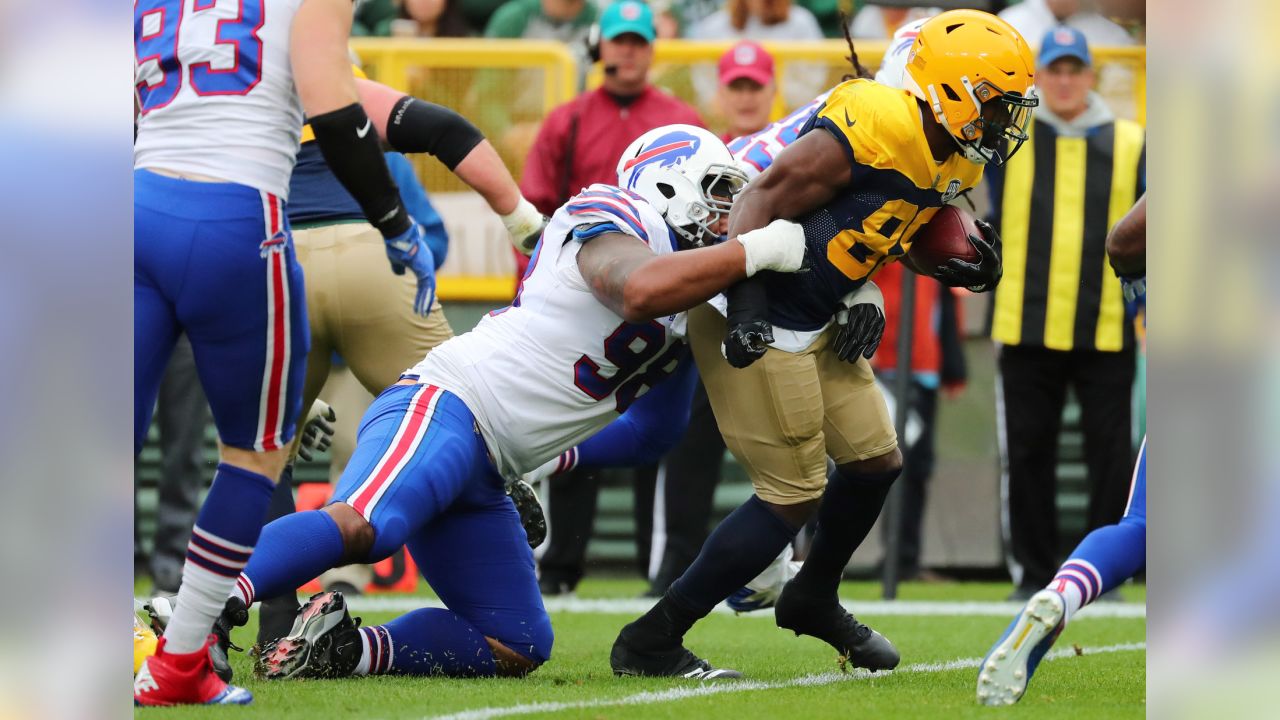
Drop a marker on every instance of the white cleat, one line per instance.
(1013, 660)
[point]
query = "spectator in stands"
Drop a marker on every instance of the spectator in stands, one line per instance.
(1034, 18)
(430, 19)
(1058, 314)
(374, 17)
(937, 365)
(503, 93)
(565, 20)
(579, 144)
(182, 414)
(747, 88)
(764, 20)
(876, 22)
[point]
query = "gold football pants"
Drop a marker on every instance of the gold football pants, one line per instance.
(786, 413)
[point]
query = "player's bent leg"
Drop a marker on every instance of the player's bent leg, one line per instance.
(771, 417)
(809, 604)
(477, 558)
(415, 451)
(1104, 560)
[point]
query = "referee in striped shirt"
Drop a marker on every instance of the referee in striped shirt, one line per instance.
(1058, 316)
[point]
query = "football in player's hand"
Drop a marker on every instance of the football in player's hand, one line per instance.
(946, 236)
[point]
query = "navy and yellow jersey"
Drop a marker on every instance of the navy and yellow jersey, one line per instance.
(895, 188)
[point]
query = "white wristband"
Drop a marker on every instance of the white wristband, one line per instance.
(778, 246)
(523, 225)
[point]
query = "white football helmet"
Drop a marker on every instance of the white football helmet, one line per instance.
(685, 172)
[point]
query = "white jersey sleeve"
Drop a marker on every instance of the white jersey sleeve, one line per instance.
(894, 64)
(756, 152)
(551, 369)
(215, 90)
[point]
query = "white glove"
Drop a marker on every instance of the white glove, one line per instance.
(777, 246)
(524, 226)
(317, 430)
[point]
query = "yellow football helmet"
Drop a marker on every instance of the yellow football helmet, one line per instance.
(144, 643)
(977, 74)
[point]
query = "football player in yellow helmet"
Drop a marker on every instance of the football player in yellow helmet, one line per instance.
(870, 167)
(978, 89)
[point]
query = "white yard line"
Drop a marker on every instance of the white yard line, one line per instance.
(637, 606)
(704, 689)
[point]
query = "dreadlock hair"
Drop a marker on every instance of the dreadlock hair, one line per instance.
(858, 70)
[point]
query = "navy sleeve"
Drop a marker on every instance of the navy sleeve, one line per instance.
(650, 428)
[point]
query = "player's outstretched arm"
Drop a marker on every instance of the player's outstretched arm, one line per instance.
(1127, 242)
(322, 74)
(640, 285)
(413, 125)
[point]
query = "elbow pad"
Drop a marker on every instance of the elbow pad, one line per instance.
(350, 148)
(419, 126)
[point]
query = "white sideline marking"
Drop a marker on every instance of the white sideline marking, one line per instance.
(730, 686)
(638, 606)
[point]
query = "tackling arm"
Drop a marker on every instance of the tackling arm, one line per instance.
(640, 285)
(630, 279)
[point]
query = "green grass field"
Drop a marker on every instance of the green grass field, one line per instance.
(790, 677)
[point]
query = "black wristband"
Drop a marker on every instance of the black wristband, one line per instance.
(419, 126)
(748, 301)
(350, 148)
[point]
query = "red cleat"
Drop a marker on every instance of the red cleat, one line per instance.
(187, 679)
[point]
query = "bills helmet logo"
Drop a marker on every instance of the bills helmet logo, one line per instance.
(274, 244)
(667, 151)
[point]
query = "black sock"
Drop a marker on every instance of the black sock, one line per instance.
(850, 506)
(739, 549)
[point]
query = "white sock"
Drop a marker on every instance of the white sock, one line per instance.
(203, 594)
(1079, 584)
(376, 651)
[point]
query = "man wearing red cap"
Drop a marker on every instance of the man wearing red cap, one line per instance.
(747, 88)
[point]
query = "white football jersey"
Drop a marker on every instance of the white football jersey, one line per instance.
(556, 366)
(215, 90)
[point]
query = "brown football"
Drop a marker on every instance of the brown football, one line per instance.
(946, 236)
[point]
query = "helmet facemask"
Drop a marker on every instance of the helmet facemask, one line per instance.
(1002, 118)
(693, 213)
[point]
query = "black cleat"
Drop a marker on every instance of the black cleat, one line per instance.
(677, 661)
(827, 620)
(324, 643)
(532, 516)
(160, 609)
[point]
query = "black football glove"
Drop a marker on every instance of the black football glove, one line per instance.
(747, 342)
(986, 274)
(859, 330)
